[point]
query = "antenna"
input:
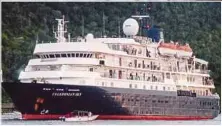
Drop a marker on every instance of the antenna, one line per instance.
(37, 38)
(119, 27)
(69, 37)
(104, 25)
(61, 30)
(140, 17)
(83, 23)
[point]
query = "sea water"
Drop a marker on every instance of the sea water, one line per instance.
(14, 119)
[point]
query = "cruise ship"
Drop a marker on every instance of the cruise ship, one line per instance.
(131, 77)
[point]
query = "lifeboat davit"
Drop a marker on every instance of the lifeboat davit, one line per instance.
(175, 49)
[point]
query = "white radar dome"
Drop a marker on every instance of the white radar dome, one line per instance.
(130, 27)
(89, 37)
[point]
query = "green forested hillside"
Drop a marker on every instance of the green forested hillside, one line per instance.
(195, 23)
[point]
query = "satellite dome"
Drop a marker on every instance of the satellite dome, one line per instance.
(130, 27)
(89, 37)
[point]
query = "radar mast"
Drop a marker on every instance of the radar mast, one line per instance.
(61, 30)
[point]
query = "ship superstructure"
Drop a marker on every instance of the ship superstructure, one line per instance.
(131, 76)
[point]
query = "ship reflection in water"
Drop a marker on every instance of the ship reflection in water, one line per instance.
(13, 118)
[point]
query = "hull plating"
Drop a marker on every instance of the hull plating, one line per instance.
(50, 101)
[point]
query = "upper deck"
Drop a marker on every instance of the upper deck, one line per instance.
(131, 59)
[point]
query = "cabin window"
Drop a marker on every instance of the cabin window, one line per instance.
(36, 56)
(111, 84)
(120, 61)
(206, 92)
(164, 88)
(91, 69)
(63, 55)
(77, 54)
(117, 47)
(168, 75)
(168, 88)
(69, 55)
(81, 54)
(120, 74)
(114, 47)
(130, 85)
(144, 86)
(135, 63)
(110, 73)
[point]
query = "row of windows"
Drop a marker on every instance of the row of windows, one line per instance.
(58, 55)
(151, 87)
(144, 86)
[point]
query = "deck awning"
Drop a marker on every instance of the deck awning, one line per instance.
(201, 61)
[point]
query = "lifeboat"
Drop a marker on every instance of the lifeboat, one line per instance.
(175, 49)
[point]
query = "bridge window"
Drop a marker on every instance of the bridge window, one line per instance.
(69, 55)
(63, 55)
(84, 55)
(81, 54)
(77, 54)
(73, 54)
(51, 56)
(57, 55)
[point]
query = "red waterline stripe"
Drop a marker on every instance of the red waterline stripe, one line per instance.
(151, 117)
(118, 117)
(40, 117)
